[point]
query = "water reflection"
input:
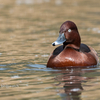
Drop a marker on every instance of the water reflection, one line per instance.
(71, 82)
(38, 81)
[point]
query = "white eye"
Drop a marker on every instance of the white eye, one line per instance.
(69, 30)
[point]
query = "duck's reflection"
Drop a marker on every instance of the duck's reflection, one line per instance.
(71, 80)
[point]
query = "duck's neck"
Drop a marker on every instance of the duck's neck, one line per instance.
(74, 44)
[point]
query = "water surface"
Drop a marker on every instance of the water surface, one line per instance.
(27, 29)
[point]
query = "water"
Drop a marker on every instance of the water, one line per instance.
(27, 29)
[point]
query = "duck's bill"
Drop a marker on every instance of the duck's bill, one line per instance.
(61, 39)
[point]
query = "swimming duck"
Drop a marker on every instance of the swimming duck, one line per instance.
(72, 53)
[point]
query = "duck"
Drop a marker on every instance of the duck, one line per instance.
(72, 53)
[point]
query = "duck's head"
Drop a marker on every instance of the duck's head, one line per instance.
(68, 35)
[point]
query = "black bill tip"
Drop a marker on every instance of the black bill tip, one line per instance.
(53, 44)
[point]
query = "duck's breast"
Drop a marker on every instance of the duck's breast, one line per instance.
(70, 57)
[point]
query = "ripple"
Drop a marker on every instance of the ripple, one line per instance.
(38, 67)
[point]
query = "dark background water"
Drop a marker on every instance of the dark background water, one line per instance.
(27, 29)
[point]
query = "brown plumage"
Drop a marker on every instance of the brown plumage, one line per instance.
(72, 53)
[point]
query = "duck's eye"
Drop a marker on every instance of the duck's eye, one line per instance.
(69, 30)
